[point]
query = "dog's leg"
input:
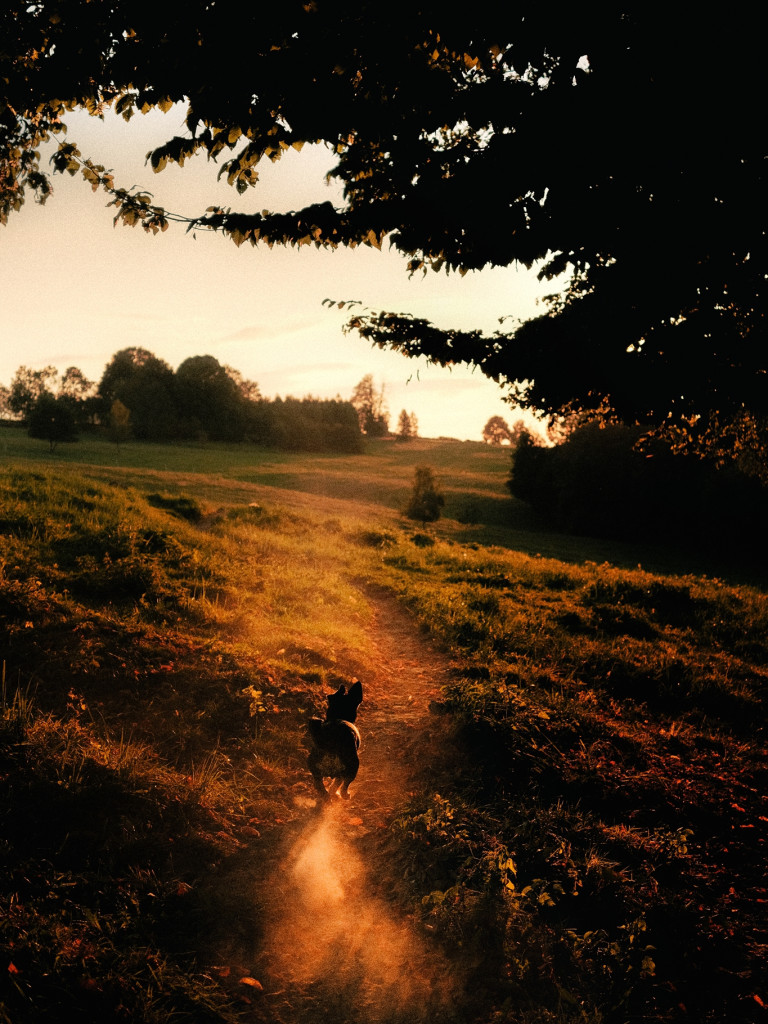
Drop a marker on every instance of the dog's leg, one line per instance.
(351, 763)
(313, 761)
(333, 789)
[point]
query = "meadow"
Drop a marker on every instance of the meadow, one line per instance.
(590, 847)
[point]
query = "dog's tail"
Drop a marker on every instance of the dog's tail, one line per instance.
(355, 732)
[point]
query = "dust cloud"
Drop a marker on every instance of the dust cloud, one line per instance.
(335, 946)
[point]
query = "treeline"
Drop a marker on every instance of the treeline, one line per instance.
(139, 396)
(601, 482)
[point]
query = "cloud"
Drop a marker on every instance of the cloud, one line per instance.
(271, 331)
(321, 379)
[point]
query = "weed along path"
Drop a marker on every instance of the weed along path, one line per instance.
(334, 948)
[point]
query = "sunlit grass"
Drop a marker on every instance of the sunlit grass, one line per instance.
(374, 485)
(159, 666)
(630, 703)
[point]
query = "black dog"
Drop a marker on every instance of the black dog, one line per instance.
(334, 743)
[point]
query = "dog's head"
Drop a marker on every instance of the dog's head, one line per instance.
(344, 703)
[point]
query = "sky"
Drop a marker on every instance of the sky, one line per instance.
(76, 289)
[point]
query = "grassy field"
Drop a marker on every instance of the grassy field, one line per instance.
(471, 475)
(169, 616)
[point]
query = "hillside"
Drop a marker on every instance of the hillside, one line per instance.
(560, 814)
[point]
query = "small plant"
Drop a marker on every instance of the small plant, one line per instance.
(261, 703)
(15, 712)
(205, 774)
(423, 540)
(426, 499)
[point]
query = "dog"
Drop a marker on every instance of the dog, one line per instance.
(334, 743)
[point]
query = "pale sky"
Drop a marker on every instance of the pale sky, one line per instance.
(75, 289)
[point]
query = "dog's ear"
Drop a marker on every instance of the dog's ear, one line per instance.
(339, 693)
(356, 691)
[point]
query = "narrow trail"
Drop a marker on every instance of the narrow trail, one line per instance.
(405, 677)
(334, 948)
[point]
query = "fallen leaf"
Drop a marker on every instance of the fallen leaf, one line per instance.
(252, 983)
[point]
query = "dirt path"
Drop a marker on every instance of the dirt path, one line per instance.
(336, 949)
(405, 677)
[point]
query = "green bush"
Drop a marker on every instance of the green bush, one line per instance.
(52, 420)
(426, 500)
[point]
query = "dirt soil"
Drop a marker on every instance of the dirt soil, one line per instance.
(332, 946)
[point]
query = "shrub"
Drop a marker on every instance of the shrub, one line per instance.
(426, 500)
(180, 506)
(52, 420)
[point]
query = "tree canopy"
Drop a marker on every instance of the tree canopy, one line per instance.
(140, 395)
(53, 420)
(615, 149)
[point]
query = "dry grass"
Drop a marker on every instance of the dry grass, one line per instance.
(595, 852)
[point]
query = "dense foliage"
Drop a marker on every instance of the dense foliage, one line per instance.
(140, 395)
(52, 420)
(598, 483)
(614, 150)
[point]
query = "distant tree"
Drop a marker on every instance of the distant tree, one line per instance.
(5, 398)
(52, 419)
(145, 385)
(340, 426)
(496, 431)
(75, 385)
(75, 389)
(598, 483)
(27, 387)
(119, 423)
(249, 389)
(407, 426)
(209, 400)
(426, 499)
(310, 425)
(371, 407)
